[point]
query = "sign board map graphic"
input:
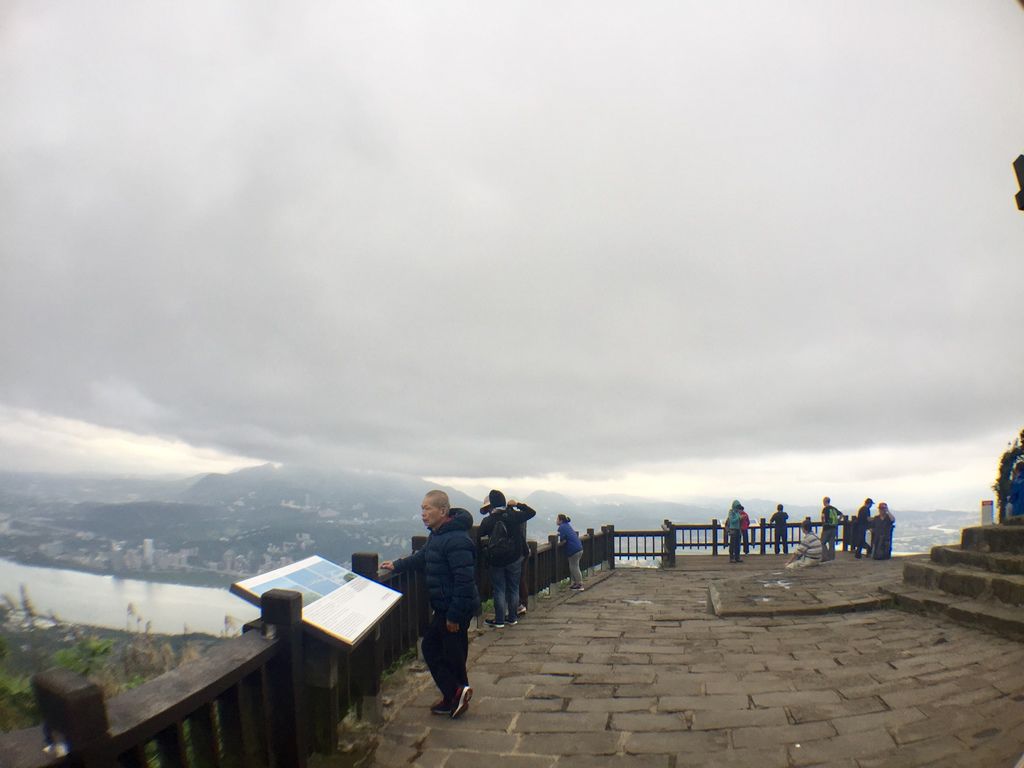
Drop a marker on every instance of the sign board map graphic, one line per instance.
(336, 601)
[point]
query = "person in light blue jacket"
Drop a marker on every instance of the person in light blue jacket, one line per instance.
(574, 549)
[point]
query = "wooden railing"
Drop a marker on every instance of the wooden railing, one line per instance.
(266, 699)
(708, 538)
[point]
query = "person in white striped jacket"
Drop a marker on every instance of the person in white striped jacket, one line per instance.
(808, 551)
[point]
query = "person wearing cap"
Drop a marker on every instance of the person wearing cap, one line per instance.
(448, 562)
(860, 529)
(505, 575)
(830, 517)
(808, 551)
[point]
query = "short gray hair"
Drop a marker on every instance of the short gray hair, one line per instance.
(440, 500)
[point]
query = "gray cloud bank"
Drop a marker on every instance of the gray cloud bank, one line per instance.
(460, 240)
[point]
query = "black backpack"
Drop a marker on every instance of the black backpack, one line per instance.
(502, 548)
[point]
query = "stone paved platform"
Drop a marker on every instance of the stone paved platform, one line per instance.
(765, 587)
(636, 671)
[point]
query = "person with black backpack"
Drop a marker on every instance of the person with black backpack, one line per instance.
(502, 545)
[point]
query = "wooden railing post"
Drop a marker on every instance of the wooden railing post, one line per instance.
(763, 534)
(322, 694)
(281, 612)
(368, 666)
(532, 577)
(610, 533)
(553, 546)
(668, 547)
(714, 537)
(592, 551)
(74, 717)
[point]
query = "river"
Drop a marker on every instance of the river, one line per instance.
(86, 598)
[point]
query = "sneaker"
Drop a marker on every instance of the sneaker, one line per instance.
(441, 707)
(462, 697)
(493, 623)
(577, 587)
(520, 610)
(512, 622)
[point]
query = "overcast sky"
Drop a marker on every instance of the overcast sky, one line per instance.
(671, 249)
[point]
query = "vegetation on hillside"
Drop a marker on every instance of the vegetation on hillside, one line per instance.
(114, 660)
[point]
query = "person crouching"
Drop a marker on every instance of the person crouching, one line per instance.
(808, 551)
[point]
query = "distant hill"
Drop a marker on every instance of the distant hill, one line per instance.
(382, 495)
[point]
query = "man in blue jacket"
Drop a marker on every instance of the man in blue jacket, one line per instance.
(449, 563)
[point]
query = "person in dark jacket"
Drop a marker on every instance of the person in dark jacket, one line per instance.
(881, 539)
(860, 529)
(505, 574)
(781, 531)
(449, 564)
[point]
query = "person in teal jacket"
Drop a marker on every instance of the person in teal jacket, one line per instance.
(733, 529)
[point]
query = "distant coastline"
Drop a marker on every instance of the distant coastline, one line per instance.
(183, 578)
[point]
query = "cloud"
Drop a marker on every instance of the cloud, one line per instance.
(36, 442)
(458, 241)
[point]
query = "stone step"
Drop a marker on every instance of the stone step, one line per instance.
(966, 581)
(999, 618)
(996, 562)
(994, 538)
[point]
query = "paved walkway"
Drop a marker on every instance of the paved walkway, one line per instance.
(636, 671)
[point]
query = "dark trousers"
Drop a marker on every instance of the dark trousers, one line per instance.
(781, 540)
(860, 541)
(746, 541)
(734, 544)
(445, 653)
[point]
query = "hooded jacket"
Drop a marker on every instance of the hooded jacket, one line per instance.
(734, 519)
(448, 561)
(515, 518)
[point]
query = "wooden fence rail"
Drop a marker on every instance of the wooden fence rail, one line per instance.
(266, 699)
(662, 546)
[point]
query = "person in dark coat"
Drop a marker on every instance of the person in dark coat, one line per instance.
(448, 562)
(860, 529)
(781, 531)
(505, 575)
(881, 540)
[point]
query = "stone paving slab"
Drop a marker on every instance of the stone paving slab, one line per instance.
(635, 671)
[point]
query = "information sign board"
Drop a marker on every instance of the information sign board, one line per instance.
(337, 602)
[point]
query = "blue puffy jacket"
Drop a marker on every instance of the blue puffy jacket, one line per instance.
(572, 539)
(449, 563)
